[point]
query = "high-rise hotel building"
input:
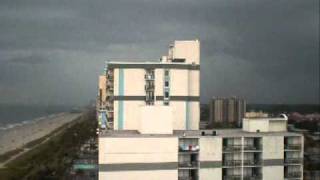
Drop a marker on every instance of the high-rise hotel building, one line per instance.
(149, 123)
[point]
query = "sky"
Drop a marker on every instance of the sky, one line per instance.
(265, 51)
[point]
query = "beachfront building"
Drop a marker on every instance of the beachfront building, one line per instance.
(132, 87)
(151, 135)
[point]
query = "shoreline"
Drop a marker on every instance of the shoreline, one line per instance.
(20, 135)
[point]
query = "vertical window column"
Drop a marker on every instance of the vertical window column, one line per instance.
(166, 89)
(149, 87)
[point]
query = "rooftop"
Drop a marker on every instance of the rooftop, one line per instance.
(195, 133)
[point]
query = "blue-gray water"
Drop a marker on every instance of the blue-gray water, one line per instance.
(11, 115)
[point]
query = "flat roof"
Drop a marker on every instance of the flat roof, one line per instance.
(235, 132)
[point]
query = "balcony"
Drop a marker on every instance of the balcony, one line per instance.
(252, 162)
(149, 77)
(186, 178)
(232, 163)
(252, 148)
(293, 160)
(232, 148)
(149, 87)
(292, 147)
(188, 165)
(232, 177)
(252, 177)
(189, 148)
(295, 174)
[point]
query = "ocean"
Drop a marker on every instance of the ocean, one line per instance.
(15, 115)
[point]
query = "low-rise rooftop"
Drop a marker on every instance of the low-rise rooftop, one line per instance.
(235, 132)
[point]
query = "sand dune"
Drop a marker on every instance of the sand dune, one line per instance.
(18, 136)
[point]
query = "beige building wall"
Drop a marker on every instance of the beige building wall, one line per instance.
(210, 173)
(189, 50)
(179, 114)
(113, 150)
(194, 115)
(159, 80)
(131, 114)
(121, 150)
(161, 122)
(252, 125)
(273, 173)
(140, 175)
(278, 126)
(273, 147)
(179, 82)
(194, 83)
(210, 148)
(134, 82)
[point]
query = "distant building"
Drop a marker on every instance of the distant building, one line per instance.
(256, 114)
(227, 111)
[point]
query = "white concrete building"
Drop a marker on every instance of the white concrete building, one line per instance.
(152, 135)
(173, 82)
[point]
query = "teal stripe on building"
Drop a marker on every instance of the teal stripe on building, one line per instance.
(120, 103)
(187, 116)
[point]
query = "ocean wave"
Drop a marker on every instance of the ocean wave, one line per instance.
(13, 125)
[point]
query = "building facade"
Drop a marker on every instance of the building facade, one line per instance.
(226, 111)
(151, 135)
(173, 82)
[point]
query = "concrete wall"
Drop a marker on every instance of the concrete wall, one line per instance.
(179, 82)
(189, 50)
(140, 175)
(121, 150)
(137, 150)
(160, 123)
(273, 172)
(265, 124)
(210, 173)
(277, 126)
(179, 114)
(210, 148)
(273, 147)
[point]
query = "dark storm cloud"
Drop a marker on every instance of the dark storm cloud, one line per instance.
(265, 51)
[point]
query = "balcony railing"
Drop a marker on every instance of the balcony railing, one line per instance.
(149, 77)
(232, 177)
(252, 177)
(232, 163)
(186, 178)
(293, 160)
(251, 147)
(193, 164)
(295, 174)
(251, 162)
(232, 148)
(189, 148)
(149, 87)
(292, 146)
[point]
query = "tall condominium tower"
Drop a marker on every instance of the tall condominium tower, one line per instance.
(227, 111)
(172, 82)
(149, 128)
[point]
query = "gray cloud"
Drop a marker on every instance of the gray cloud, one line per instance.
(265, 51)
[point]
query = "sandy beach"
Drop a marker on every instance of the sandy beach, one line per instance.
(18, 136)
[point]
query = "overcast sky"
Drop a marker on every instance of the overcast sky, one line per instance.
(266, 51)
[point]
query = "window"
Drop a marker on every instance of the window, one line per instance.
(166, 72)
(179, 60)
(166, 95)
(166, 84)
